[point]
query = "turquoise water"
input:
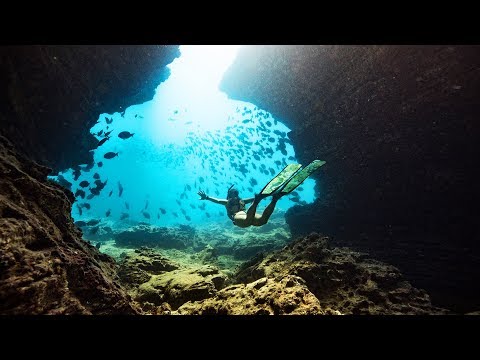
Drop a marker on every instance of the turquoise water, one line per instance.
(190, 136)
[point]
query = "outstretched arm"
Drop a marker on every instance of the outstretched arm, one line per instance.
(248, 200)
(204, 196)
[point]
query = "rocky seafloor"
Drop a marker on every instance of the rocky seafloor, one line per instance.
(209, 273)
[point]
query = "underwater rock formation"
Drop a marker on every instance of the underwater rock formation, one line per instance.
(154, 236)
(266, 296)
(242, 244)
(53, 94)
(305, 277)
(179, 286)
(342, 279)
(45, 266)
(137, 268)
(157, 282)
(397, 126)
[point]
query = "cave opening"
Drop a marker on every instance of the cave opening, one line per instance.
(189, 137)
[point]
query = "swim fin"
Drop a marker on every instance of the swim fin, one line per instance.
(300, 176)
(287, 172)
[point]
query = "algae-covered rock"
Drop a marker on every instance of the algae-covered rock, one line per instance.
(266, 296)
(342, 279)
(182, 285)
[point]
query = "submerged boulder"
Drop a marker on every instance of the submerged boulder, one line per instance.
(343, 279)
(182, 285)
(266, 296)
(138, 267)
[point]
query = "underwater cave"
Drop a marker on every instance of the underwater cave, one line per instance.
(118, 164)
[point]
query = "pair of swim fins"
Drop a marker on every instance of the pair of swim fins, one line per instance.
(291, 177)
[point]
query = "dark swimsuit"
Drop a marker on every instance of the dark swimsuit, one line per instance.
(231, 213)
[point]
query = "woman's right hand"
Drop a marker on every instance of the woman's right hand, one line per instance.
(202, 194)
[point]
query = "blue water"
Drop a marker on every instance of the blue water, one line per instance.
(190, 136)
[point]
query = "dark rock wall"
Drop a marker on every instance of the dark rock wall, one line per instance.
(45, 266)
(398, 127)
(52, 95)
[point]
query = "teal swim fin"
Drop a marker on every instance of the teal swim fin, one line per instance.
(300, 176)
(287, 172)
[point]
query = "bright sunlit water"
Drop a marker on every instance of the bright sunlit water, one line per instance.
(190, 136)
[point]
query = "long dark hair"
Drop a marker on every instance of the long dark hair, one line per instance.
(232, 193)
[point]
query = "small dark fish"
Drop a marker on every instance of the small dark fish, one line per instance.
(193, 206)
(220, 213)
(80, 223)
(86, 205)
(146, 214)
(100, 133)
(189, 187)
(79, 209)
(146, 205)
(178, 202)
(110, 155)
(201, 179)
(125, 135)
(94, 191)
(109, 121)
(80, 193)
(175, 214)
(120, 189)
(108, 133)
(107, 214)
(88, 167)
(96, 176)
(90, 196)
(127, 206)
(100, 164)
(110, 194)
(124, 216)
(76, 174)
(84, 183)
(93, 222)
(188, 217)
(208, 215)
(101, 142)
(64, 182)
(98, 245)
(163, 211)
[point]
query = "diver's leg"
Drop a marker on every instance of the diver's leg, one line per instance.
(253, 208)
(268, 211)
